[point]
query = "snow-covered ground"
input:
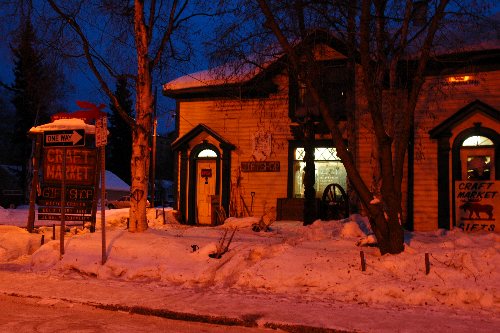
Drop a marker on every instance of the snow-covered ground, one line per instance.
(291, 274)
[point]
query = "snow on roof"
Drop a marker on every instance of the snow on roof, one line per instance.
(62, 124)
(115, 183)
(225, 74)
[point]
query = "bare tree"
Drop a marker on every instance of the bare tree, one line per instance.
(103, 30)
(381, 38)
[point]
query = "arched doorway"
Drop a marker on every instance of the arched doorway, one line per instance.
(475, 170)
(204, 182)
(456, 153)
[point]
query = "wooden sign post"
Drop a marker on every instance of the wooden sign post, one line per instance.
(101, 138)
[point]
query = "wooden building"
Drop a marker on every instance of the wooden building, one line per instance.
(239, 144)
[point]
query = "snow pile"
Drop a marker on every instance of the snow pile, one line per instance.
(16, 242)
(318, 261)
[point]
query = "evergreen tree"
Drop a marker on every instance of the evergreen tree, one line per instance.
(119, 148)
(30, 90)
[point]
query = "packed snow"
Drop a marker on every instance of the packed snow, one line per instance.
(316, 262)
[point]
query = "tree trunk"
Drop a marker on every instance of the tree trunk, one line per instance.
(141, 132)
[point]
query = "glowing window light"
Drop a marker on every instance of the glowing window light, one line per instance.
(207, 153)
(459, 79)
(477, 140)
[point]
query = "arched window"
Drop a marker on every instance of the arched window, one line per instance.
(476, 141)
(477, 157)
(207, 153)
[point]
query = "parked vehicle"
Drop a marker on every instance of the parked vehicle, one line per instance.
(123, 202)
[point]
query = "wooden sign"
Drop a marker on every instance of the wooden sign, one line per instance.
(67, 210)
(73, 193)
(72, 218)
(57, 203)
(265, 166)
(80, 165)
(477, 204)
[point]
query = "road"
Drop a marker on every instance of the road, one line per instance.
(24, 314)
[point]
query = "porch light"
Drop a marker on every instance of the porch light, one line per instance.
(459, 79)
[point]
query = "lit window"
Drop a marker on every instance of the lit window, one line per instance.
(328, 169)
(207, 153)
(476, 140)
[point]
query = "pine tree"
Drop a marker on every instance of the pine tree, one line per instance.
(29, 89)
(120, 142)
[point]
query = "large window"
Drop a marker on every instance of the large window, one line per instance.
(328, 169)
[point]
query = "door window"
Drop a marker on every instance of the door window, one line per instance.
(477, 155)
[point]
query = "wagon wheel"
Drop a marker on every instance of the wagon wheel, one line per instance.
(335, 203)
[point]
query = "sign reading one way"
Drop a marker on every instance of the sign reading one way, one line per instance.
(63, 138)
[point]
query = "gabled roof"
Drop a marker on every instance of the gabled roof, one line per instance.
(471, 108)
(247, 79)
(186, 138)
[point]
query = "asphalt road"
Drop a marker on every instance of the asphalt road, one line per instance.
(24, 314)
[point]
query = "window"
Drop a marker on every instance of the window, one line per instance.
(478, 167)
(477, 158)
(328, 169)
(332, 84)
(207, 153)
(476, 140)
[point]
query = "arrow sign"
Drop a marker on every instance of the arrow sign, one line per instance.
(64, 138)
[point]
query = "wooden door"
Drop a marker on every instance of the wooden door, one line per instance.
(205, 189)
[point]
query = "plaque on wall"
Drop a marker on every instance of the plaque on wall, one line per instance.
(265, 166)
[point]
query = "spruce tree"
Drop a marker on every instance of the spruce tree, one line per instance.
(29, 87)
(119, 148)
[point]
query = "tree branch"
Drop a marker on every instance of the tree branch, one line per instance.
(87, 51)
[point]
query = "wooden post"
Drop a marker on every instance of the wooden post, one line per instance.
(43, 240)
(63, 203)
(427, 264)
(34, 183)
(53, 231)
(363, 263)
(153, 162)
(94, 202)
(103, 207)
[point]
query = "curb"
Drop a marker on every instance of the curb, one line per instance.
(246, 321)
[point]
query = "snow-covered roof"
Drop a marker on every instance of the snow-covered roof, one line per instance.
(64, 124)
(115, 183)
(222, 75)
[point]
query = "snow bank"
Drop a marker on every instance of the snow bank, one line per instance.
(318, 261)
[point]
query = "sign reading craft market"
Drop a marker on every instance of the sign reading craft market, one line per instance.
(69, 164)
(477, 204)
(80, 165)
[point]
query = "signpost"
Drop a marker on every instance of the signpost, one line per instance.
(68, 174)
(101, 139)
(69, 168)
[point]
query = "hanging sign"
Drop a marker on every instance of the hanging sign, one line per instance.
(206, 173)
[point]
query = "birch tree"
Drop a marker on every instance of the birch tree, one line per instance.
(148, 28)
